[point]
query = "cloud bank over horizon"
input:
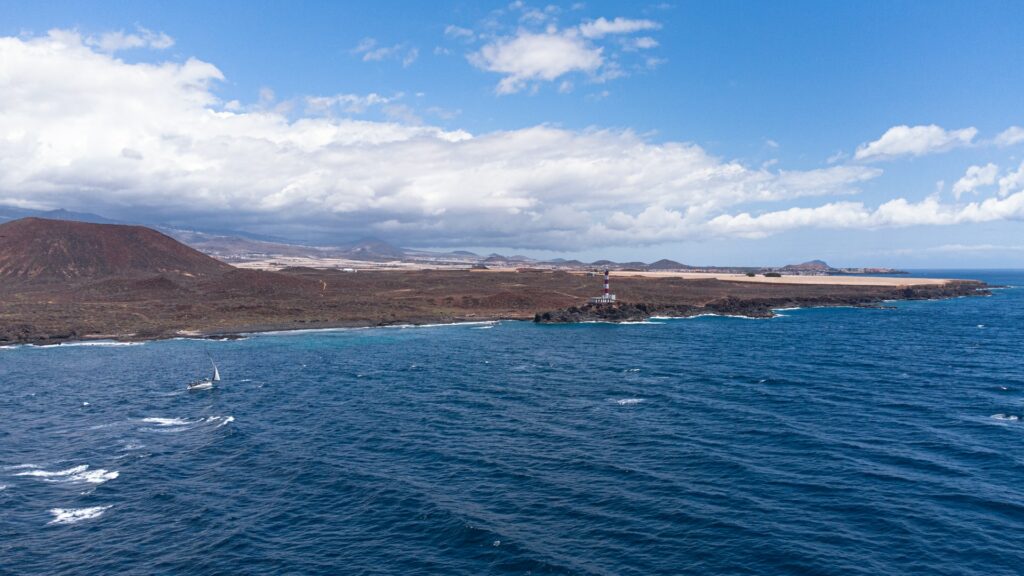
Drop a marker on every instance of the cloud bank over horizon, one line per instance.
(82, 128)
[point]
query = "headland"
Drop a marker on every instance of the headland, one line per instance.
(65, 281)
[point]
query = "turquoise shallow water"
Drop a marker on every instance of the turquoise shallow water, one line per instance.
(826, 441)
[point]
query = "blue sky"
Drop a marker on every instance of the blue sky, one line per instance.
(696, 131)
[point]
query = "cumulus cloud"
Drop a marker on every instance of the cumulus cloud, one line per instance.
(120, 40)
(1010, 136)
(530, 55)
(1012, 181)
(914, 141)
(81, 129)
(974, 178)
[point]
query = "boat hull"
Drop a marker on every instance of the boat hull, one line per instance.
(203, 385)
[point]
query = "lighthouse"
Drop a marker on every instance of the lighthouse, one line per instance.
(606, 297)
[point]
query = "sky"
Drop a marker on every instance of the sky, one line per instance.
(733, 133)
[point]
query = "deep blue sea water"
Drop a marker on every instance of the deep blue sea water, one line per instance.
(826, 441)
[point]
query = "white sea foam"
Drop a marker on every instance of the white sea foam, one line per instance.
(1006, 417)
(298, 331)
(36, 473)
(642, 322)
(98, 476)
(167, 421)
(442, 324)
(629, 401)
(713, 315)
(353, 328)
(613, 322)
(89, 343)
(79, 473)
(3, 487)
(73, 515)
(220, 420)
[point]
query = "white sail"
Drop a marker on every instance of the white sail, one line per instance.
(216, 373)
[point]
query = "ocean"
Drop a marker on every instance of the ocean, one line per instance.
(824, 441)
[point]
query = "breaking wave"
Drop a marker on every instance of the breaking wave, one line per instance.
(73, 515)
(80, 473)
(167, 421)
(1006, 417)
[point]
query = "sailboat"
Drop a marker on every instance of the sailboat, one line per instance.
(206, 383)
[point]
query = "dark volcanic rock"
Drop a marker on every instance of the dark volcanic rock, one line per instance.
(756, 307)
(618, 312)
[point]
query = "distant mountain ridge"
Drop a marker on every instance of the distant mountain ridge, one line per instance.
(240, 247)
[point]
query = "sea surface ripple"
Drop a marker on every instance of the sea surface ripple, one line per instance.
(824, 441)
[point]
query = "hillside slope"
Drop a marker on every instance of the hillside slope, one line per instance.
(41, 250)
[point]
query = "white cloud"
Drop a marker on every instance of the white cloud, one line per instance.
(528, 56)
(1010, 136)
(892, 214)
(642, 43)
(603, 27)
(955, 249)
(349, 103)
(453, 31)
(371, 51)
(410, 56)
(974, 178)
(80, 129)
(914, 141)
(120, 40)
(1012, 181)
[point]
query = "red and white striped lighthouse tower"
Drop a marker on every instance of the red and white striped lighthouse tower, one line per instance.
(606, 297)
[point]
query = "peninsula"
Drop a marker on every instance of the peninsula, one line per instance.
(64, 280)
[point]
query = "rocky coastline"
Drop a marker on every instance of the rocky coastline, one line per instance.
(754, 307)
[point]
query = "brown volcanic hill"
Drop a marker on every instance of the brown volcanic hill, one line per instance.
(666, 264)
(41, 250)
(811, 266)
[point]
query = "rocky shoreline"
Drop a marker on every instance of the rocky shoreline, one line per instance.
(754, 307)
(242, 302)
